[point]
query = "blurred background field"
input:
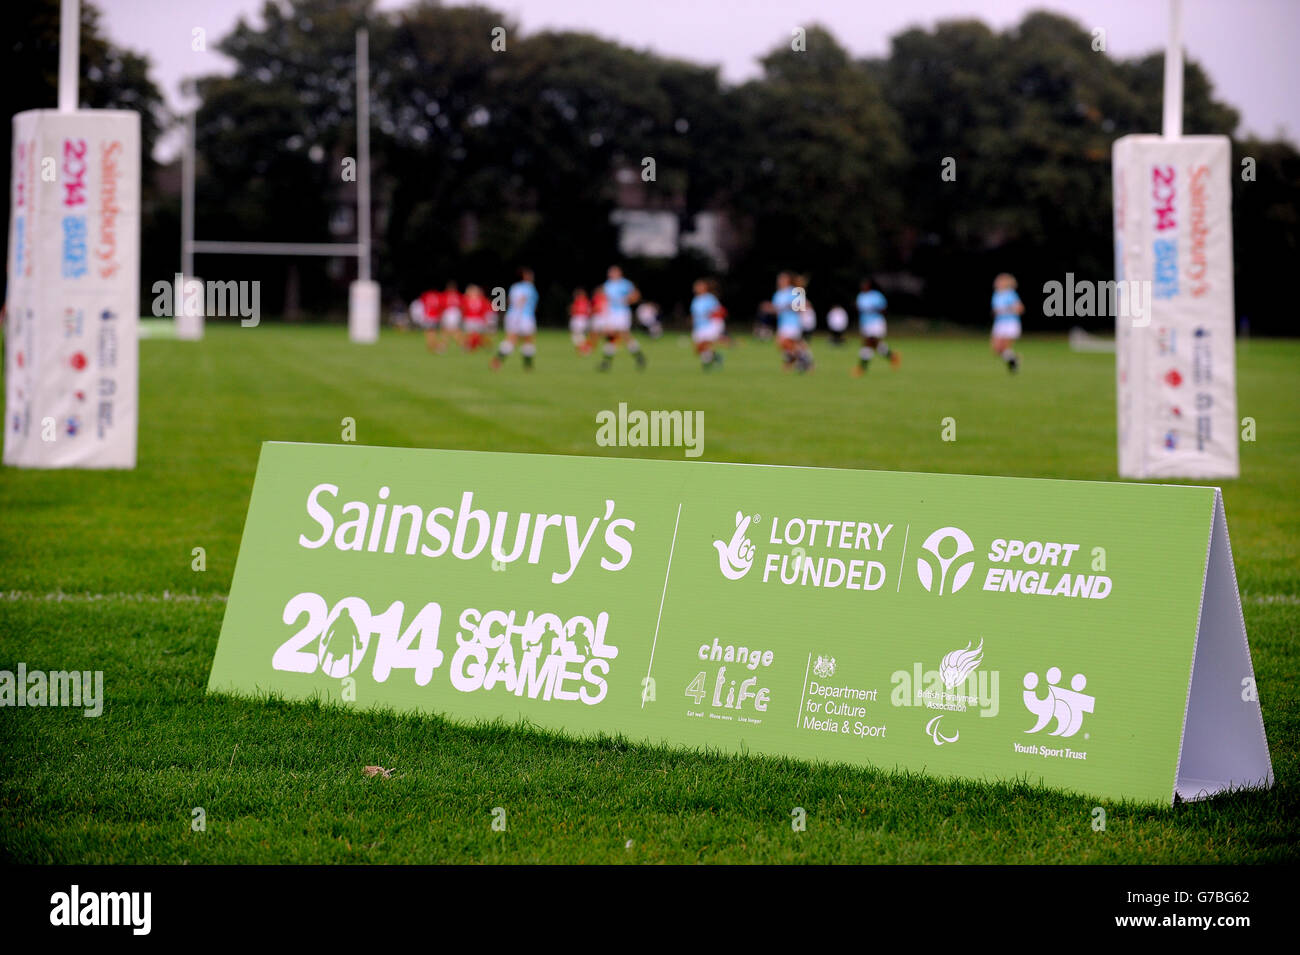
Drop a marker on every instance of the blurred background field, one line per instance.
(960, 151)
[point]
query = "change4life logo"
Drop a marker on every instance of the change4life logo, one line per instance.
(945, 550)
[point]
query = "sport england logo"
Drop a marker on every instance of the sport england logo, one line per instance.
(935, 545)
(737, 555)
(1067, 706)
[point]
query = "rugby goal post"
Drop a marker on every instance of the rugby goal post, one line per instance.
(72, 304)
(363, 294)
(1176, 367)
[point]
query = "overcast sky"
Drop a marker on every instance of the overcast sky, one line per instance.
(1246, 46)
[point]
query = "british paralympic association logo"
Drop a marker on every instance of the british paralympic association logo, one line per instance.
(954, 687)
(1067, 706)
(934, 544)
(737, 555)
(932, 730)
(957, 665)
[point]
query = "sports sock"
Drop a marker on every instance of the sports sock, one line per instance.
(865, 354)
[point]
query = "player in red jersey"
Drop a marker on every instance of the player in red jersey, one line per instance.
(599, 317)
(474, 307)
(580, 321)
(432, 302)
(451, 315)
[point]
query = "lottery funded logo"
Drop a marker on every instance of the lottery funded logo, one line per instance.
(737, 555)
(806, 552)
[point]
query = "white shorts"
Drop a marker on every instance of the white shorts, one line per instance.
(517, 324)
(451, 318)
(1006, 328)
(579, 324)
(619, 320)
(873, 328)
(709, 333)
(792, 333)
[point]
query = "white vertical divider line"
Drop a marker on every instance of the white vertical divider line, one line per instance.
(671, 547)
(804, 692)
(902, 561)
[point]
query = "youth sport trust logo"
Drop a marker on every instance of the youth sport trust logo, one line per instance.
(936, 545)
(737, 555)
(1067, 706)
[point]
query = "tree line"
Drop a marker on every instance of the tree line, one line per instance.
(964, 152)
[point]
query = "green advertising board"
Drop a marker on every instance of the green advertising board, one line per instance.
(1082, 636)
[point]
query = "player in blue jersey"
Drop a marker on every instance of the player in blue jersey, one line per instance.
(620, 296)
(521, 321)
(871, 324)
(1007, 309)
(707, 316)
(787, 303)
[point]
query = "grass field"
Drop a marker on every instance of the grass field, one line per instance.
(95, 573)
